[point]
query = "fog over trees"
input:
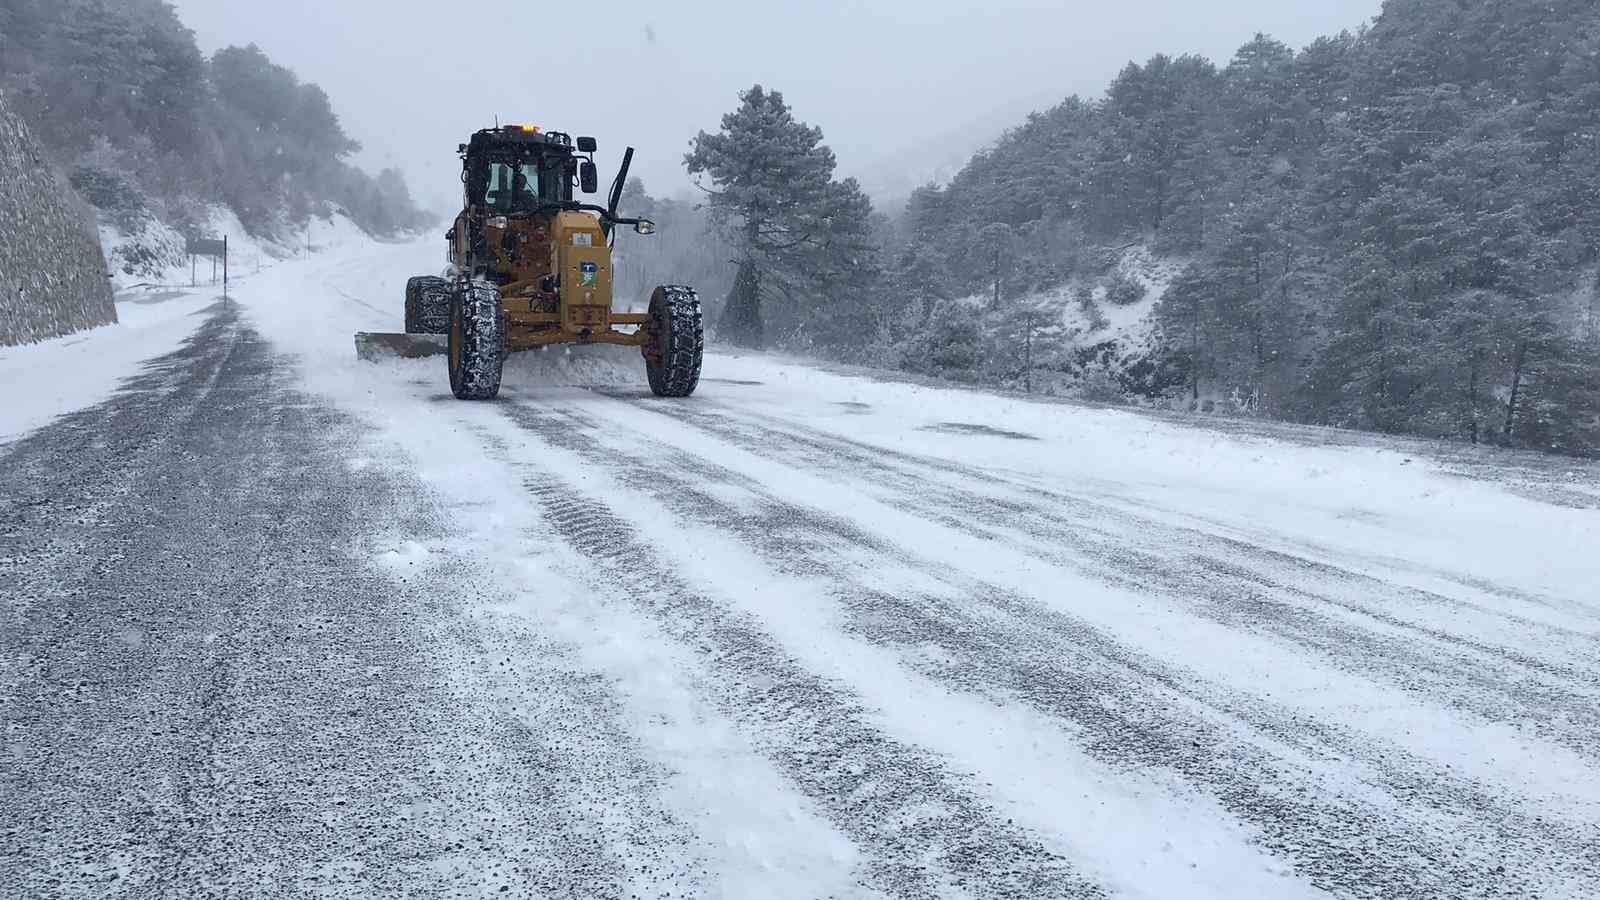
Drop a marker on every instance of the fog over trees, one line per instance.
(148, 126)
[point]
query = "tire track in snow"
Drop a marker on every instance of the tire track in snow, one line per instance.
(923, 833)
(570, 768)
(1228, 581)
(1133, 711)
(772, 434)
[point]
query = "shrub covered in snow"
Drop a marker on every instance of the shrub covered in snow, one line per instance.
(1083, 295)
(951, 345)
(1123, 289)
(119, 201)
(148, 251)
(1098, 385)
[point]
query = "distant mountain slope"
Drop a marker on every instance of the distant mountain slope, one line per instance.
(889, 179)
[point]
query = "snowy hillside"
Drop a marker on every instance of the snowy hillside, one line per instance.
(152, 254)
(1130, 325)
(1093, 336)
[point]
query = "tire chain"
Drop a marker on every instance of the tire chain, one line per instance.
(675, 372)
(483, 342)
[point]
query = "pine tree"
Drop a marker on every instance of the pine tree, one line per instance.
(1154, 161)
(740, 323)
(1185, 315)
(997, 244)
(804, 241)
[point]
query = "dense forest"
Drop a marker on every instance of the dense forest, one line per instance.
(1394, 229)
(147, 126)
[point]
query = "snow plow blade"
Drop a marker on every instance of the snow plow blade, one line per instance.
(375, 345)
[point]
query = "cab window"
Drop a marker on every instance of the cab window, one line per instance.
(513, 188)
(521, 187)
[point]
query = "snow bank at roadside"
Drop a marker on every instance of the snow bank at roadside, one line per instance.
(151, 253)
(53, 378)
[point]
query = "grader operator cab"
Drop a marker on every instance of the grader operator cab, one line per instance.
(530, 267)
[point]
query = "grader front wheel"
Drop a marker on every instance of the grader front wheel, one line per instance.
(675, 342)
(477, 342)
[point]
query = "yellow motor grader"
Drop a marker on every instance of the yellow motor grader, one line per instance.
(530, 267)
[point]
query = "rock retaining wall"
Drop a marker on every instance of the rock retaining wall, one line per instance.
(52, 271)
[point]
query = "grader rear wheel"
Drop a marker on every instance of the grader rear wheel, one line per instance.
(477, 345)
(427, 305)
(675, 341)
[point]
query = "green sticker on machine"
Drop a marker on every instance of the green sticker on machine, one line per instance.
(588, 273)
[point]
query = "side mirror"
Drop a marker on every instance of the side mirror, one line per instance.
(586, 145)
(588, 177)
(645, 226)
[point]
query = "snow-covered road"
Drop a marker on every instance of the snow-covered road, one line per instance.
(278, 623)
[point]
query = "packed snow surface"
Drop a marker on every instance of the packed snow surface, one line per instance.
(814, 634)
(51, 378)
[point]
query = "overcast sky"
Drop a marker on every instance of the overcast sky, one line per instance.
(891, 83)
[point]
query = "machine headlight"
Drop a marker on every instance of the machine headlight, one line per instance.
(497, 222)
(645, 226)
